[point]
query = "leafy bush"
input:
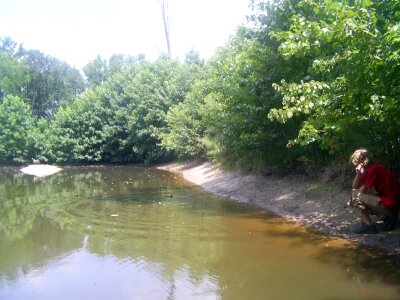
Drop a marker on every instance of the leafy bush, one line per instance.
(15, 129)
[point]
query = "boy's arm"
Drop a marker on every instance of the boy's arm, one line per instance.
(357, 184)
(362, 189)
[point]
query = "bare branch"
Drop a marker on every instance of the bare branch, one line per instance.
(164, 4)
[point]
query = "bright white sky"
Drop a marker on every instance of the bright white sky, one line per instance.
(76, 31)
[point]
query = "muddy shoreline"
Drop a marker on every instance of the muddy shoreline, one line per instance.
(315, 204)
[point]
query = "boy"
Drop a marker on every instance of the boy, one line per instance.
(386, 204)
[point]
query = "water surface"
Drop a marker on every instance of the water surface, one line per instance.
(125, 232)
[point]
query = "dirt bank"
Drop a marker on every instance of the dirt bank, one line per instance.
(317, 204)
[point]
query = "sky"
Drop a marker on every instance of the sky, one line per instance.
(76, 31)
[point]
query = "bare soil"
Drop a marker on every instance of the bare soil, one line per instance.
(318, 203)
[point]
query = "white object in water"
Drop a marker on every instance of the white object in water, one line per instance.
(40, 170)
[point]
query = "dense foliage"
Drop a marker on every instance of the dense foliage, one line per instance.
(15, 127)
(350, 96)
(303, 82)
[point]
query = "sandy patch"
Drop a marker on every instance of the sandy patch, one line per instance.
(313, 204)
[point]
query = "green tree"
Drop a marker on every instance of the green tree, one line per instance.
(95, 72)
(119, 63)
(117, 106)
(156, 87)
(193, 58)
(15, 127)
(13, 75)
(99, 70)
(185, 126)
(239, 97)
(350, 96)
(77, 130)
(52, 82)
(122, 120)
(8, 45)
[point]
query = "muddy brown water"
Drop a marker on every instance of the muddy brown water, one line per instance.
(127, 232)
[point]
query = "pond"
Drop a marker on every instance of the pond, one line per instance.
(128, 232)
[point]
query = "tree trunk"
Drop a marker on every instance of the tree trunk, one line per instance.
(166, 20)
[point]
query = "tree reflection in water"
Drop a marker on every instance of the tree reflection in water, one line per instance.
(148, 233)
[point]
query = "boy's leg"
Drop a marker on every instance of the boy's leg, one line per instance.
(367, 226)
(369, 203)
(373, 205)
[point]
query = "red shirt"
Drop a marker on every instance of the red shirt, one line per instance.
(385, 183)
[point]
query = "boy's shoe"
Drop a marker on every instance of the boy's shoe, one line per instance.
(389, 222)
(366, 229)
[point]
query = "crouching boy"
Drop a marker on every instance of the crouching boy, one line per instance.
(386, 204)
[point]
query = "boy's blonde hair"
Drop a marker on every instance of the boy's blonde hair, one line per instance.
(360, 156)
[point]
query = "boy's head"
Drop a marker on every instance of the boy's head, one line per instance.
(360, 156)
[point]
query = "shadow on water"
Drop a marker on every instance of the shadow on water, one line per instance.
(360, 262)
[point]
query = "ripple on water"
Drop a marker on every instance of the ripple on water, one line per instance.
(157, 241)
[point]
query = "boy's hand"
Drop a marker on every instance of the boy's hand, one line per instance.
(350, 199)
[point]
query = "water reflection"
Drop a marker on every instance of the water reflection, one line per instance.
(138, 233)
